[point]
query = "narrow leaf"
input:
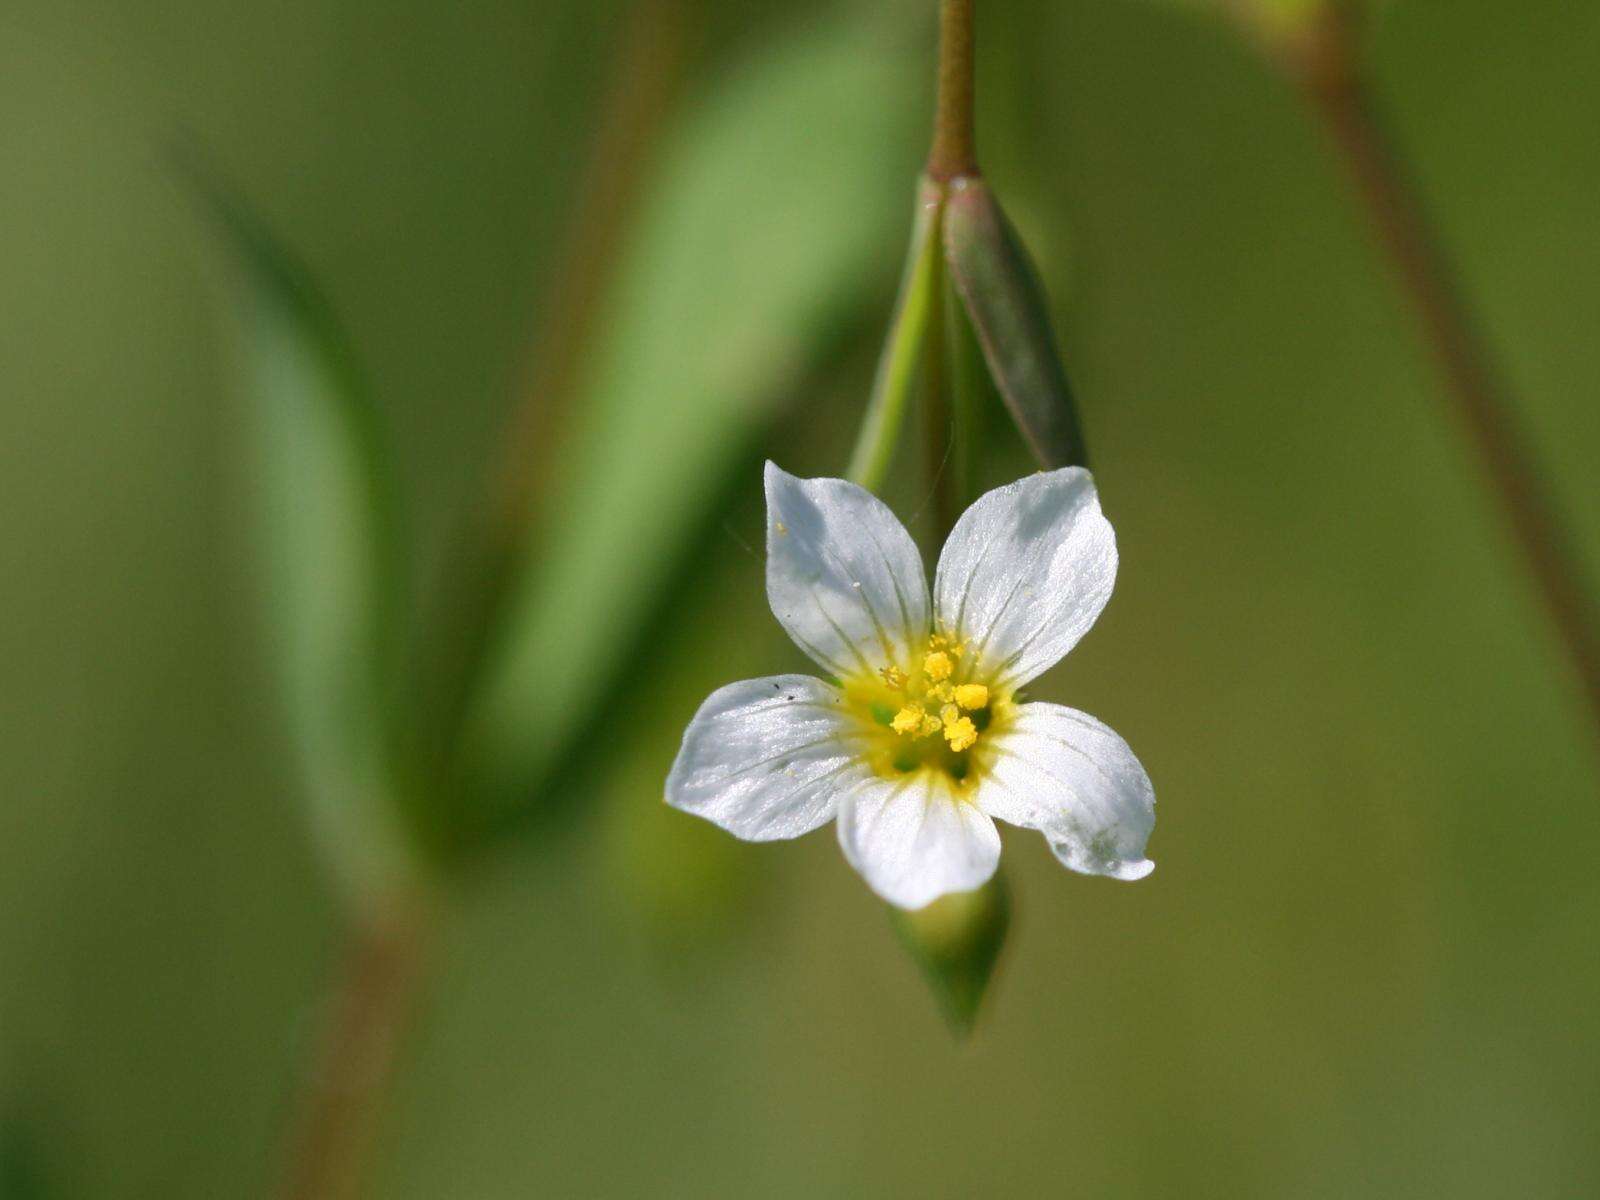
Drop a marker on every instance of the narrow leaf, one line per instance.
(321, 515)
(1010, 314)
(750, 253)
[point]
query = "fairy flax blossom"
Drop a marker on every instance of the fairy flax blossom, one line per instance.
(924, 738)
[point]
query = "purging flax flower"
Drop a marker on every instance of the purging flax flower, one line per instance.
(924, 738)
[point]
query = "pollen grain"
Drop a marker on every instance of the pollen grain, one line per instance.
(971, 696)
(960, 733)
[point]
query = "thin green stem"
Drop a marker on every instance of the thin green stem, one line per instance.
(918, 316)
(955, 151)
(902, 351)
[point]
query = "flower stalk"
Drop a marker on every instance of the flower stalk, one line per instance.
(954, 153)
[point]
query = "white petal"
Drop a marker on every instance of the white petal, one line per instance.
(767, 758)
(1025, 573)
(1065, 774)
(913, 841)
(843, 575)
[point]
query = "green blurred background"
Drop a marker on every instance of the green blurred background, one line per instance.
(1366, 964)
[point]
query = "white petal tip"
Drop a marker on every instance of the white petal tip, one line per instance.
(1131, 871)
(1027, 570)
(1074, 858)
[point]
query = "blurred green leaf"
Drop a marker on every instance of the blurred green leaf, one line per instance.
(956, 941)
(22, 1174)
(902, 349)
(1268, 15)
(770, 221)
(323, 515)
(1011, 317)
(687, 884)
(1285, 29)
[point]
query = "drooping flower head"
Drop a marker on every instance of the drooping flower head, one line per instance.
(921, 738)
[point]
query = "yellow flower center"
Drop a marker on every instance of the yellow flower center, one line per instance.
(929, 713)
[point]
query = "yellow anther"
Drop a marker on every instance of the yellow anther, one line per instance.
(940, 692)
(972, 695)
(908, 720)
(893, 676)
(949, 714)
(938, 666)
(960, 733)
(930, 725)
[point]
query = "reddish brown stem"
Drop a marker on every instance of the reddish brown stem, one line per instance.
(385, 956)
(492, 548)
(1327, 68)
(954, 151)
(342, 1097)
(638, 99)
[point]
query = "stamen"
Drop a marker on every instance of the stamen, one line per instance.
(908, 719)
(972, 695)
(933, 702)
(961, 733)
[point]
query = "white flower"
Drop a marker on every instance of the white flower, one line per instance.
(924, 738)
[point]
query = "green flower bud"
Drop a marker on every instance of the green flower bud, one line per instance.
(957, 940)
